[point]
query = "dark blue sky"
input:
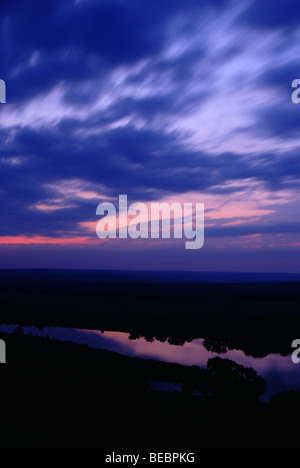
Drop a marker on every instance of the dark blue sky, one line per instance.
(160, 100)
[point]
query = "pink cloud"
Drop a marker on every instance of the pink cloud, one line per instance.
(26, 240)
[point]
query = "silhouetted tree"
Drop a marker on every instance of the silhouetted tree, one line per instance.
(225, 379)
(215, 345)
(176, 341)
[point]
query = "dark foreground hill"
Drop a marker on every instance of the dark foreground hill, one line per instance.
(58, 394)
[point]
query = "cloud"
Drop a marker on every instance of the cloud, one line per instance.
(155, 99)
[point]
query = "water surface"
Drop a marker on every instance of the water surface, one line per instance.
(279, 371)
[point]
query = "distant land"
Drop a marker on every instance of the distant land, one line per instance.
(146, 277)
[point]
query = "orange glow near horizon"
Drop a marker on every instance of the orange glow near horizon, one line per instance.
(25, 240)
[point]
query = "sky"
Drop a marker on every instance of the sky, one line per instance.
(160, 100)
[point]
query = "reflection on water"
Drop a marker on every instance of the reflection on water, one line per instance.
(279, 371)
